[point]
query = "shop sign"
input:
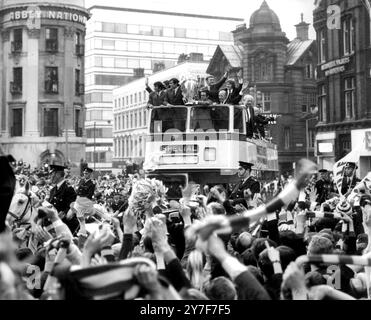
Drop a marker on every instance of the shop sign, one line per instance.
(336, 66)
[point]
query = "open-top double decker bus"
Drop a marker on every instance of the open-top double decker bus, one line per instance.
(203, 144)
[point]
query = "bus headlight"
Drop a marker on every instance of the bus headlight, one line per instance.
(210, 154)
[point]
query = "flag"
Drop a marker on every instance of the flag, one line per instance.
(108, 281)
(339, 166)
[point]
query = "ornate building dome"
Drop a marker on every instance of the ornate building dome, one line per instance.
(265, 19)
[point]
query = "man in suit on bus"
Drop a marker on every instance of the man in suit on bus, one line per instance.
(174, 95)
(157, 97)
(213, 87)
(246, 188)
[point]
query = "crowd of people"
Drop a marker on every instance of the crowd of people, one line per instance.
(67, 237)
(226, 91)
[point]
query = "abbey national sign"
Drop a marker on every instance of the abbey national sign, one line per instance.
(66, 15)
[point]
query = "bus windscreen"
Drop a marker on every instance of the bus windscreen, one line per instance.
(164, 119)
(206, 118)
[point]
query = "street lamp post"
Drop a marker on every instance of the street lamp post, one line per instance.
(94, 145)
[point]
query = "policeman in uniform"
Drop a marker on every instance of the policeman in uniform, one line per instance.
(246, 188)
(62, 195)
(323, 186)
(85, 192)
(350, 179)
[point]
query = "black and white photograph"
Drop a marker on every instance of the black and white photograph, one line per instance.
(186, 155)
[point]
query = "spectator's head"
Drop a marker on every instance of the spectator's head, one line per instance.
(320, 245)
(248, 259)
(221, 288)
(167, 84)
(257, 274)
(173, 83)
(362, 242)
(222, 95)
(287, 255)
(314, 278)
(259, 246)
(244, 242)
(210, 80)
(193, 294)
(248, 100)
(216, 208)
(230, 84)
(204, 95)
(158, 86)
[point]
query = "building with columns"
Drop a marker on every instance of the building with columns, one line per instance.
(42, 80)
(283, 71)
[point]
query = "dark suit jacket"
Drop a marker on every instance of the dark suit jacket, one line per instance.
(157, 99)
(61, 200)
(174, 99)
(214, 90)
(86, 189)
(345, 187)
(63, 197)
(235, 97)
(237, 195)
(250, 124)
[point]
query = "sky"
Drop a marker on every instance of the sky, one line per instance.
(288, 11)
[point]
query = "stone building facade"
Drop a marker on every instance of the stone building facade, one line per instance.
(42, 80)
(344, 82)
(283, 71)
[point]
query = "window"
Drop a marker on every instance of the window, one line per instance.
(51, 128)
(120, 127)
(78, 45)
(51, 79)
(164, 119)
(157, 31)
(140, 97)
(123, 102)
(348, 36)
(120, 28)
(17, 124)
(322, 46)
(135, 98)
(265, 70)
(133, 46)
(131, 99)
(121, 63)
(79, 88)
(131, 121)
(108, 44)
(108, 62)
(16, 85)
(18, 41)
(108, 27)
(51, 37)
(349, 91)
(98, 61)
(133, 28)
(206, 118)
(308, 71)
(145, 117)
(168, 32)
(145, 46)
(322, 103)
(180, 32)
(121, 45)
(127, 100)
(127, 122)
(78, 123)
(140, 119)
(266, 100)
(286, 134)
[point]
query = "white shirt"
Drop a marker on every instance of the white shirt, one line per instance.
(59, 184)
